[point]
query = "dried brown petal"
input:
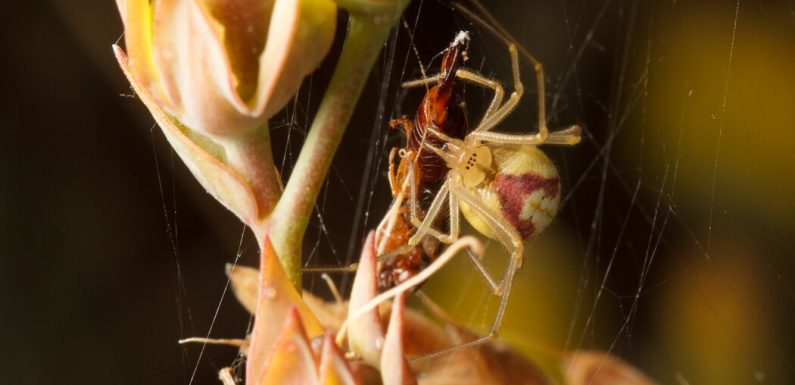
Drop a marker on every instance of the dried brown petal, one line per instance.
(600, 368)
(422, 336)
(245, 281)
(492, 363)
(366, 374)
(330, 314)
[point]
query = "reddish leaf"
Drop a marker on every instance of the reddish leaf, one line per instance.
(365, 334)
(394, 368)
(276, 298)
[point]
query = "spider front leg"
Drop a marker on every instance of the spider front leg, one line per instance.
(433, 80)
(476, 78)
(566, 137)
(472, 77)
(491, 120)
(425, 225)
(569, 136)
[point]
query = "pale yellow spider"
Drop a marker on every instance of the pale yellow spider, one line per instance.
(504, 185)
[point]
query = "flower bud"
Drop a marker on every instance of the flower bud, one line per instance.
(212, 72)
(222, 67)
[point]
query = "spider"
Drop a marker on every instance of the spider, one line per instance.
(442, 108)
(504, 186)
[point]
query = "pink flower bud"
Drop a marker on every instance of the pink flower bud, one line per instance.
(224, 67)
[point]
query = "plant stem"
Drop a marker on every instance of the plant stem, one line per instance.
(250, 155)
(290, 218)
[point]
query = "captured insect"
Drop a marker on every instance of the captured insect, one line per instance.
(502, 183)
(442, 108)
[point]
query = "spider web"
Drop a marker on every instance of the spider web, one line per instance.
(672, 247)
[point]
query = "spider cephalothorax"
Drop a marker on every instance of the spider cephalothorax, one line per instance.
(519, 182)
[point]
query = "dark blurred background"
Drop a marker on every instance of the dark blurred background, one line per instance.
(673, 250)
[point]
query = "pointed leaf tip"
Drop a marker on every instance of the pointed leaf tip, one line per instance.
(291, 360)
(276, 298)
(365, 334)
(334, 368)
(394, 368)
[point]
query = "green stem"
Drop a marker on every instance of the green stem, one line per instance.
(290, 218)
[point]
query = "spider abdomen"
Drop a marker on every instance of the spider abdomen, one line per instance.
(529, 202)
(524, 191)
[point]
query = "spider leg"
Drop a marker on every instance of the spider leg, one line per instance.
(476, 78)
(492, 117)
(425, 226)
(449, 253)
(499, 115)
(453, 143)
(472, 77)
(566, 137)
(483, 272)
(441, 135)
(512, 242)
(422, 82)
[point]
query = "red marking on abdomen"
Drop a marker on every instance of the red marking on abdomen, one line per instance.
(512, 191)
